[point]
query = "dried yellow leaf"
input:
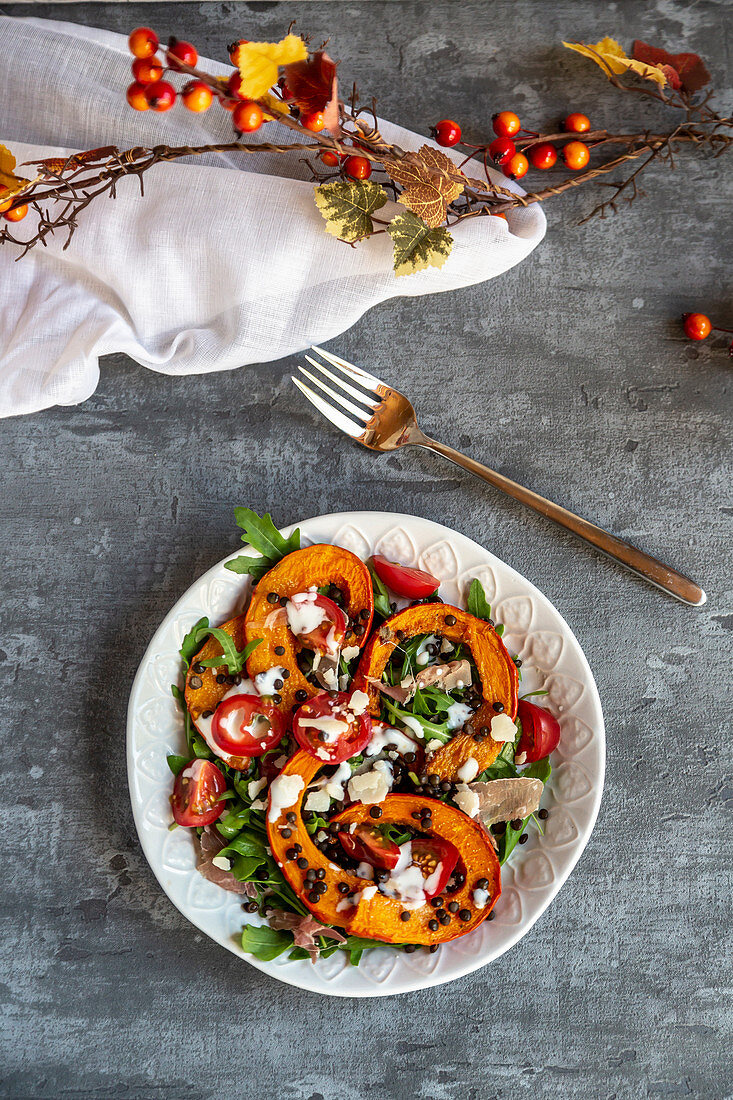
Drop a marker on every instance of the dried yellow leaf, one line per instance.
(610, 56)
(273, 106)
(259, 63)
(13, 184)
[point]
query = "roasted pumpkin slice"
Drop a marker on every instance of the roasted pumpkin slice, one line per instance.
(314, 566)
(496, 669)
(375, 916)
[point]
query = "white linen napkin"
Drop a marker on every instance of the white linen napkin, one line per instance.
(224, 262)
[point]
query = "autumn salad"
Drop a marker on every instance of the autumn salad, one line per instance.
(359, 763)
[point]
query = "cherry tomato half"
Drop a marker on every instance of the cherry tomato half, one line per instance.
(367, 845)
(428, 852)
(540, 732)
(411, 583)
(328, 730)
(246, 725)
(196, 793)
(327, 636)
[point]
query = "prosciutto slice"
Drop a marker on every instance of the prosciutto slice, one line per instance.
(447, 677)
(209, 845)
(304, 929)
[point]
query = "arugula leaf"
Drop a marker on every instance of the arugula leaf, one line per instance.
(176, 763)
(265, 943)
(356, 946)
(381, 593)
(245, 844)
(262, 535)
(198, 746)
(431, 730)
(244, 867)
(233, 658)
(500, 629)
(477, 604)
(191, 644)
(541, 769)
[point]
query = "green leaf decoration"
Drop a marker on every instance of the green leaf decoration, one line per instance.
(262, 535)
(416, 246)
(347, 205)
(477, 604)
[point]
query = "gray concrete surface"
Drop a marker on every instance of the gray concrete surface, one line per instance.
(570, 373)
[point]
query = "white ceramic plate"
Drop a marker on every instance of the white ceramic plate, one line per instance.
(535, 872)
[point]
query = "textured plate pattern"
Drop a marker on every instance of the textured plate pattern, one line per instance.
(552, 659)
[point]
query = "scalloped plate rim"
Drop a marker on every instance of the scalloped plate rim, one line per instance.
(413, 982)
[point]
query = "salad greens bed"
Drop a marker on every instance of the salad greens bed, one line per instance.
(241, 830)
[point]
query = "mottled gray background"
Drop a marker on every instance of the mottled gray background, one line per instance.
(570, 373)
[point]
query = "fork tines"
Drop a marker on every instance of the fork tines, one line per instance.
(368, 396)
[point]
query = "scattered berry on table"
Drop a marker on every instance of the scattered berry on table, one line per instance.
(697, 326)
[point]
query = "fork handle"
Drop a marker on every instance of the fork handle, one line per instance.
(652, 570)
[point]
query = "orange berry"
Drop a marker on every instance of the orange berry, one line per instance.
(576, 123)
(247, 116)
(506, 124)
(358, 168)
(136, 96)
(160, 96)
(143, 42)
(4, 205)
(197, 96)
(17, 214)
(234, 50)
(147, 70)
(499, 215)
(697, 326)
(516, 167)
(576, 154)
(313, 120)
(331, 159)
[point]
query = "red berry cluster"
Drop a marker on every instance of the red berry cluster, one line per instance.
(149, 90)
(503, 150)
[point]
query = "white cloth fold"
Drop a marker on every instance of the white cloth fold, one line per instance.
(223, 262)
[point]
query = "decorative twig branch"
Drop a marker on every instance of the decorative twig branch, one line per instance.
(340, 143)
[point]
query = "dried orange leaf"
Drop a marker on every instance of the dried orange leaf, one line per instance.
(430, 182)
(610, 56)
(259, 63)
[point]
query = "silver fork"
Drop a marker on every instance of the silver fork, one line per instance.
(392, 423)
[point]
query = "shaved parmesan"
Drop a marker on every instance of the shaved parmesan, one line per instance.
(502, 728)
